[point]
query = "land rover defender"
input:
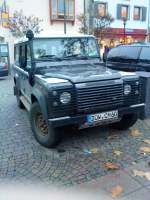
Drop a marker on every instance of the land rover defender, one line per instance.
(62, 82)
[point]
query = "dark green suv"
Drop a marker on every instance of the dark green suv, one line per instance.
(62, 82)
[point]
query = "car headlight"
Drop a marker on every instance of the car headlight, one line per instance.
(127, 89)
(65, 98)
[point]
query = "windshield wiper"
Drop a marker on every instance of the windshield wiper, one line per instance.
(50, 57)
(76, 56)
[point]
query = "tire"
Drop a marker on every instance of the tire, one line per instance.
(126, 122)
(46, 135)
(19, 102)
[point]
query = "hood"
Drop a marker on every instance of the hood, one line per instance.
(78, 73)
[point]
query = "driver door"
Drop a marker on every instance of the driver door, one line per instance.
(27, 69)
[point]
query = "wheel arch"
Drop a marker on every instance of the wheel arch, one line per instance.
(38, 97)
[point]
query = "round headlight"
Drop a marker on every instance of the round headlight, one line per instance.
(65, 98)
(127, 89)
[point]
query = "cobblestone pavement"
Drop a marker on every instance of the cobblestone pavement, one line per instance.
(23, 159)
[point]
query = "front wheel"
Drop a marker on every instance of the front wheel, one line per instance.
(126, 122)
(44, 133)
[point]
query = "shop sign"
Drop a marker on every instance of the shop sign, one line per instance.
(97, 22)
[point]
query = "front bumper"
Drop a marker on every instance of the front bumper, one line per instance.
(3, 73)
(81, 119)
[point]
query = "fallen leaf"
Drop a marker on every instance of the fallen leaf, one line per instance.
(86, 151)
(134, 163)
(116, 191)
(117, 153)
(111, 137)
(142, 174)
(147, 141)
(135, 133)
(94, 150)
(145, 149)
(112, 166)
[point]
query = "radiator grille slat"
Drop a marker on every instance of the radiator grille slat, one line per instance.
(99, 96)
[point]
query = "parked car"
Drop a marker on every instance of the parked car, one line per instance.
(133, 57)
(4, 60)
(3, 66)
(62, 82)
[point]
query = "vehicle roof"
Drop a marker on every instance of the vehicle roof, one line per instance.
(136, 45)
(54, 36)
(2, 43)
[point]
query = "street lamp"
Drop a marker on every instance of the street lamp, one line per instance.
(124, 25)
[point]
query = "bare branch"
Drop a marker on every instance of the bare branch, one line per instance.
(19, 24)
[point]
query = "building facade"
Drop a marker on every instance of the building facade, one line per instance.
(50, 11)
(130, 20)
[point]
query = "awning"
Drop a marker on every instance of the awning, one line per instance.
(115, 33)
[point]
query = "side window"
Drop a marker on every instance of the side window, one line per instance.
(28, 56)
(28, 53)
(145, 55)
(22, 56)
(16, 55)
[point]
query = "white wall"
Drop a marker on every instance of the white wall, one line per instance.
(131, 24)
(41, 9)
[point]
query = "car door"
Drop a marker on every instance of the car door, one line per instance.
(144, 60)
(23, 74)
(18, 68)
(27, 68)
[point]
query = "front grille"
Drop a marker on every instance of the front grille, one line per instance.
(99, 96)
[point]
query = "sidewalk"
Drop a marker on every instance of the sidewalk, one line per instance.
(122, 184)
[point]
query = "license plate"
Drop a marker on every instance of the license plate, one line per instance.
(105, 116)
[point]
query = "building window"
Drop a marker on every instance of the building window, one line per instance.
(101, 9)
(137, 13)
(57, 9)
(140, 13)
(123, 11)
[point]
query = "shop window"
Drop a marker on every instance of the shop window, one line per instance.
(137, 13)
(102, 9)
(57, 10)
(123, 11)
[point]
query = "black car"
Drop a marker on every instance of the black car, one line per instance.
(62, 82)
(133, 57)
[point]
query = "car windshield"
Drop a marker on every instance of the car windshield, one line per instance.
(65, 48)
(124, 53)
(3, 60)
(3, 48)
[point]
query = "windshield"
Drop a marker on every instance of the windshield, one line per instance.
(3, 60)
(123, 53)
(65, 48)
(3, 48)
